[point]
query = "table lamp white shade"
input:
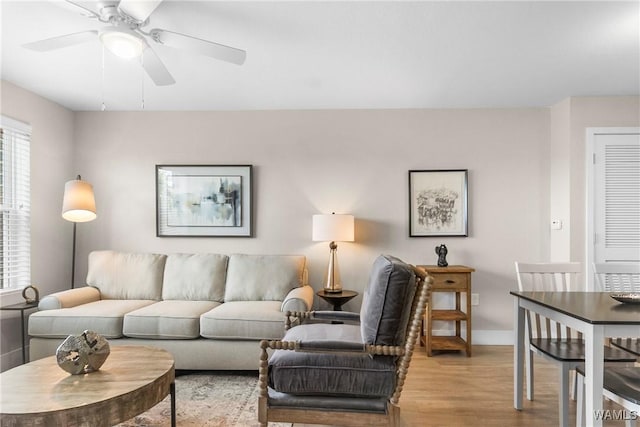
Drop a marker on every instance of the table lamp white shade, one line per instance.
(78, 204)
(333, 228)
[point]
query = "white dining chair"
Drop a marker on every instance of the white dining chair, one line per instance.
(551, 340)
(620, 385)
(617, 276)
(620, 277)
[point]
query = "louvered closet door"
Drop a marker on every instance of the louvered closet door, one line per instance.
(617, 198)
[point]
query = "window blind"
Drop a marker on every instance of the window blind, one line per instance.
(622, 196)
(15, 204)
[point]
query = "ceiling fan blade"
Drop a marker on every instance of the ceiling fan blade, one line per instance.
(138, 10)
(203, 47)
(156, 69)
(84, 10)
(62, 41)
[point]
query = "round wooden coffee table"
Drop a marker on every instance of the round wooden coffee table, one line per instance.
(132, 380)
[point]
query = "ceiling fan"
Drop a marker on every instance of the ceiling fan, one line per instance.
(126, 38)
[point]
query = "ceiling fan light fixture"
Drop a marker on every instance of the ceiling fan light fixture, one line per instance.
(124, 44)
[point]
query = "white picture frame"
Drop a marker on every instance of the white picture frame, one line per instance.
(204, 201)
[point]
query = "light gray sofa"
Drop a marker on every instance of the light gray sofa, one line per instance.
(210, 311)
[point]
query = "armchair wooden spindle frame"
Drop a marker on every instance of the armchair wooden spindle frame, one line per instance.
(391, 416)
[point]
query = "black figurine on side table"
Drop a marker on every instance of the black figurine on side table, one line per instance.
(442, 255)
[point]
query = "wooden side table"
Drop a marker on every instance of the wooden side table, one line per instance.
(337, 299)
(21, 307)
(455, 279)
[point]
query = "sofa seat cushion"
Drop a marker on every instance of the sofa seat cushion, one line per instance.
(338, 374)
(263, 277)
(104, 317)
(244, 320)
(167, 320)
(194, 277)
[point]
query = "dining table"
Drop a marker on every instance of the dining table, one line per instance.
(596, 314)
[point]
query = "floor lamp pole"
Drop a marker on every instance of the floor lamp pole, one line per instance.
(73, 258)
(78, 205)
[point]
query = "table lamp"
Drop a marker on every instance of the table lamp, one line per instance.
(78, 205)
(333, 228)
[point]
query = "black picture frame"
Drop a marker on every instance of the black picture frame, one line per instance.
(204, 201)
(438, 203)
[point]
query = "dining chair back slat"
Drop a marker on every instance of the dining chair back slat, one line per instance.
(617, 276)
(540, 277)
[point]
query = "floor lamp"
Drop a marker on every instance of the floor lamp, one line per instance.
(333, 228)
(78, 205)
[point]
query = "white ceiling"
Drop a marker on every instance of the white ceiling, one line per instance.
(348, 54)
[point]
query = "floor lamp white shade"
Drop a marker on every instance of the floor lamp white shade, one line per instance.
(78, 205)
(333, 228)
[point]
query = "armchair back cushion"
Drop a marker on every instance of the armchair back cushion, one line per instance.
(263, 277)
(194, 277)
(387, 300)
(128, 276)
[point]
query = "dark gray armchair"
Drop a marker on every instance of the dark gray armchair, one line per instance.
(349, 372)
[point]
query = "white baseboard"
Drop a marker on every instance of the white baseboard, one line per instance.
(484, 337)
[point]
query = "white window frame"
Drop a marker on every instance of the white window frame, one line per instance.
(15, 205)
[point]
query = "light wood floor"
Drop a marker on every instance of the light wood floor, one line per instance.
(451, 389)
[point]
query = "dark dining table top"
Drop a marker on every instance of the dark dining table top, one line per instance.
(590, 307)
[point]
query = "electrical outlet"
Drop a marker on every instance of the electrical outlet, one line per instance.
(475, 299)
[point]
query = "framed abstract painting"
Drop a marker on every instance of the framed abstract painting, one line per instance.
(203, 200)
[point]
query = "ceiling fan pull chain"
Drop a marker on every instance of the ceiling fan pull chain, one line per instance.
(103, 107)
(142, 77)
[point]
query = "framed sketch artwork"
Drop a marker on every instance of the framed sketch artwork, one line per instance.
(203, 200)
(437, 203)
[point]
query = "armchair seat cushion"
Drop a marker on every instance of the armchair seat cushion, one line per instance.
(337, 374)
(327, 403)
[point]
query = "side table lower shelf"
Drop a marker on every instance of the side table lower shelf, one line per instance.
(439, 342)
(448, 315)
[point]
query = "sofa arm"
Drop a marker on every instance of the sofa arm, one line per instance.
(69, 298)
(298, 299)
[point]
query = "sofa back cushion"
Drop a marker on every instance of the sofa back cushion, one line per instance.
(263, 277)
(387, 300)
(121, 275)
(194, 277)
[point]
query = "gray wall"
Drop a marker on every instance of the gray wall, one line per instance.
(522, 164)
(51, 166)
(356, 162)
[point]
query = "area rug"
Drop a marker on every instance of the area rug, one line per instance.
(208, 399)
